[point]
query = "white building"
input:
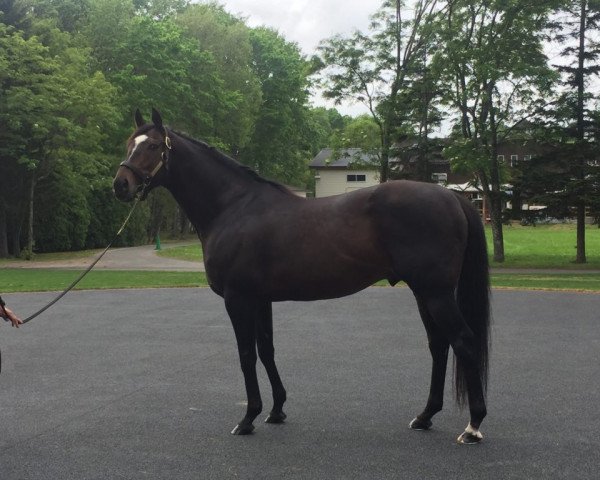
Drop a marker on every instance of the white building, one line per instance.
(349, 170)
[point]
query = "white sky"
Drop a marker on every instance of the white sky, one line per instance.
(307, 22)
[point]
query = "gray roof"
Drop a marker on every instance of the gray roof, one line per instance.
(343, 159)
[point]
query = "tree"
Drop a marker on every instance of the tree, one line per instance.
(227, 39)
(581, 52)
(55, 113)
(15, 14)
(491, 57)
(277, 148)
(25, 98)
(377, 68)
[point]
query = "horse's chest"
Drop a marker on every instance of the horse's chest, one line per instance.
(231, 265)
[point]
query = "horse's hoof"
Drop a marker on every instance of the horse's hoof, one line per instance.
(276, 417)
(242, 429)
(470, 436)
(418, 424)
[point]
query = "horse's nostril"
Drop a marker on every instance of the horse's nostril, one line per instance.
(121, 186)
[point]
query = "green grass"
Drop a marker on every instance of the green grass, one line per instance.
(191, 253)
(546, 246)
(32, 280)
(541, 247)
(41, 279)
(585, 282)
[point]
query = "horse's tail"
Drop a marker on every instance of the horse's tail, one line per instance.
(473, 297)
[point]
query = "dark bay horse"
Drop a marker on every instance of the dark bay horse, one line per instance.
(263, 244)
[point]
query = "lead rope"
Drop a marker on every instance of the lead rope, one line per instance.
(85, 272)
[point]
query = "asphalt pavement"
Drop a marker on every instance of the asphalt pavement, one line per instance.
(145, 384)
(144, 257)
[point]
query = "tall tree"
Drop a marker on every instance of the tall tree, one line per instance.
(491, 57)
(227, 38)
(55, 113)
(15, 14)
(579, 21)
(377, 68)
(277, 148)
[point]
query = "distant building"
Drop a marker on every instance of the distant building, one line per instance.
(349, 170)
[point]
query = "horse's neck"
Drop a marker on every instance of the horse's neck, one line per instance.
(205, 187)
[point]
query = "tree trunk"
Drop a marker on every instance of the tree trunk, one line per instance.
(581, 257)
(30, 219)
(581, 133)
(496, 222)
(15, 236)
(3, 232)
(495, 187)
(384, 164)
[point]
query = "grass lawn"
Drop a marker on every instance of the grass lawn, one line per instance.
(191, 253)
(541, 247)
(546, 246)
(584, 282)
(41, 279)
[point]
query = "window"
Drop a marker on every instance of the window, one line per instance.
(526, 157)
(439, 177)
(501, 158)
(513, 160)
(356, 178)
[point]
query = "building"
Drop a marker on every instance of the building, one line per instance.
(345, 170)
(350, 169)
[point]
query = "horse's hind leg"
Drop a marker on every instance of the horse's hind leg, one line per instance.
(266, 353)
(445, 313)
(244, 313)
(438, 346)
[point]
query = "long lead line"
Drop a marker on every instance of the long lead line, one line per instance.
(85, 272)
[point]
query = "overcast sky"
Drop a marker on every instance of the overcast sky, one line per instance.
(307, 22)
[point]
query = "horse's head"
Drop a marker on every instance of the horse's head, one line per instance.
(147, 154)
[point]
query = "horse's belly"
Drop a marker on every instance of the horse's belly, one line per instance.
(314, 281)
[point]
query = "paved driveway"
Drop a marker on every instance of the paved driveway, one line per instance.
(143, 257)
(144, 384)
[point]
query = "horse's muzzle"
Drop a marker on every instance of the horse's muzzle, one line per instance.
(122, 188)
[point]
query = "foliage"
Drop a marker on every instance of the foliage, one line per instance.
(379, 68)
(72, 73)
(491, 59)
(572, 116)
(277, 146)
(227, 38)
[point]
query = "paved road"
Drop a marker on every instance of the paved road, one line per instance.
(144, 257)
(144, 384)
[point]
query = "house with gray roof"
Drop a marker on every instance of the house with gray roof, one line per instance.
(344, 170)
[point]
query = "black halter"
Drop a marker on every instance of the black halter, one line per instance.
(144, 176)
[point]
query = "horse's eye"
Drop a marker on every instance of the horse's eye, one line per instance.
(153, 146)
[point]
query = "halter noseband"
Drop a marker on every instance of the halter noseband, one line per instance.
(146, 177)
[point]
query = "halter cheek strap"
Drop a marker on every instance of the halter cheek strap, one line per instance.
(146, 177)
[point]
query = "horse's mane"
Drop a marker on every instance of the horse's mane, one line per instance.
(231, 163)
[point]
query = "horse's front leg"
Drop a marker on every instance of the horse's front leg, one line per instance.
(244, 313)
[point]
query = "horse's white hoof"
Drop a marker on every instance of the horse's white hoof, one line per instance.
(470, 436)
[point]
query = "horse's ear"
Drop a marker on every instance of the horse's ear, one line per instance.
(156, 118)
(139, 120)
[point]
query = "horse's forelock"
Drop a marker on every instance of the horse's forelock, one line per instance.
(143, 130)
